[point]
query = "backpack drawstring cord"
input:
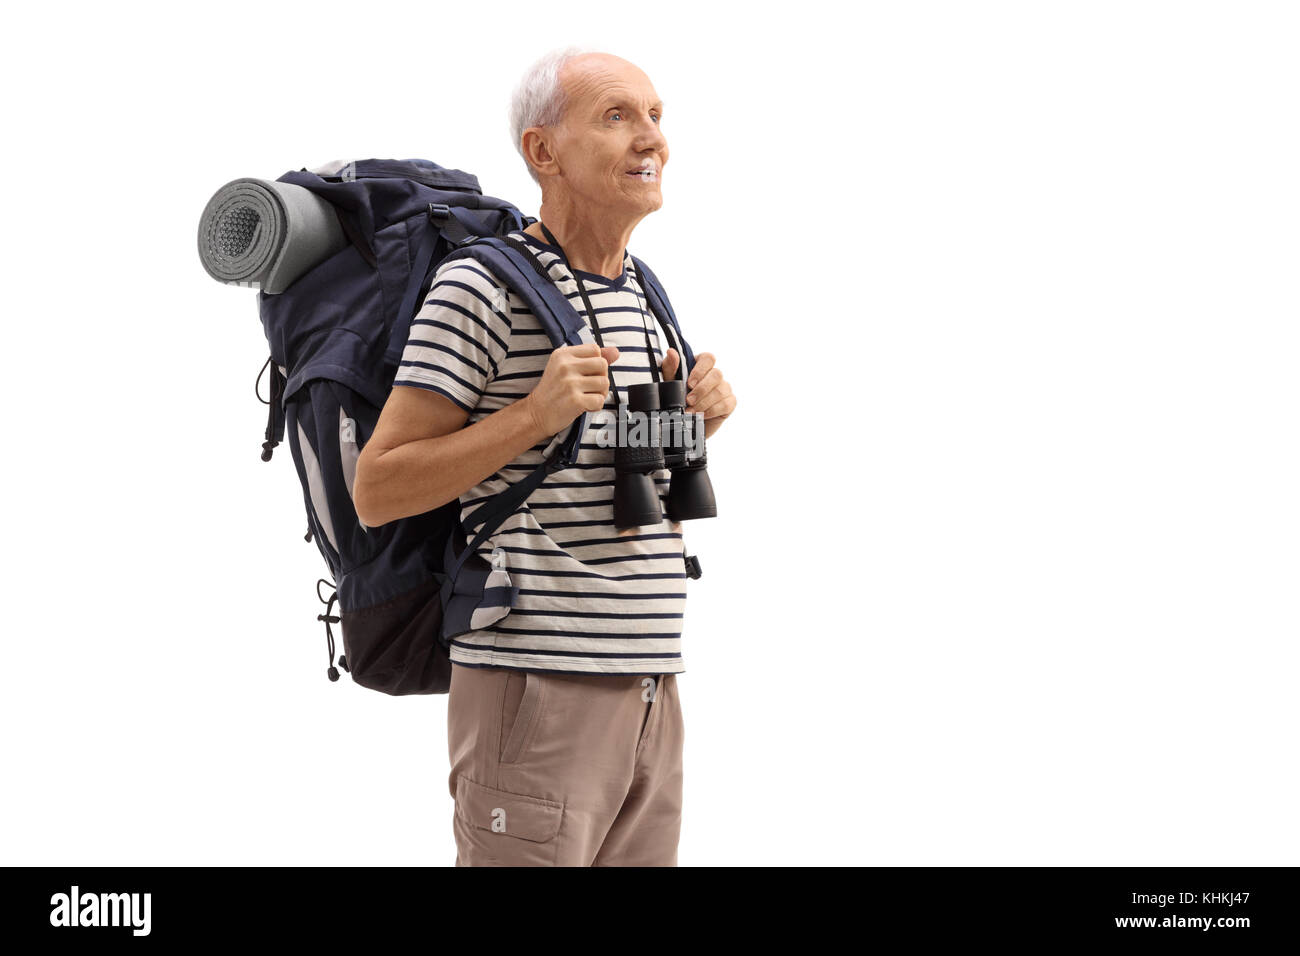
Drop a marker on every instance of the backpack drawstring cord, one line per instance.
(273, 431)
(333, 672)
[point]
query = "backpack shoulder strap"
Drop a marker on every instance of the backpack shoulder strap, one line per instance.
(659, 303)
(512, 262)
(514, 265)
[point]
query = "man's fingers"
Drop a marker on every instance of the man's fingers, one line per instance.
(670, 363)
(703, 385)
(718, 401)
(591, 366)
(703, 362)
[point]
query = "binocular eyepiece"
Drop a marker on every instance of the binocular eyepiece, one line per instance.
(656, 432)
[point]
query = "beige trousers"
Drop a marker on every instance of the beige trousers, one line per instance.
(555, 769)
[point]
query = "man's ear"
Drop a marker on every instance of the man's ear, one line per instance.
(538, 150)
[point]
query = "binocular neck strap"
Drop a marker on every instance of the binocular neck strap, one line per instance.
(595, 326)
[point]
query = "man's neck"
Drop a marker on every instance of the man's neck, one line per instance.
(588, 247)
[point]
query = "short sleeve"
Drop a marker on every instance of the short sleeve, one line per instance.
(460, 335)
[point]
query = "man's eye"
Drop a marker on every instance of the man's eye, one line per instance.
(612, 115)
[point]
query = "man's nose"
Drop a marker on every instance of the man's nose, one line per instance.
(650, 136)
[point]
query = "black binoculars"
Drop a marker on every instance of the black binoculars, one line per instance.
(664, 436)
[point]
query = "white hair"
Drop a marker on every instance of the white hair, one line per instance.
(540, 98)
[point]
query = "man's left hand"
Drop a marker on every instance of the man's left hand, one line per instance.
(707, 391)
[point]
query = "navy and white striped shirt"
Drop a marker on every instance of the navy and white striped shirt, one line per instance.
(590, 600)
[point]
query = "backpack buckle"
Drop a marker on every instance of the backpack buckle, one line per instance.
(692, 567)
(439, 212)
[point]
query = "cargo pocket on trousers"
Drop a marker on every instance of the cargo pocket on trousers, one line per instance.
(520, 706)
(497, 828)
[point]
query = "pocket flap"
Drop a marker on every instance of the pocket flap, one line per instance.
(528, 818)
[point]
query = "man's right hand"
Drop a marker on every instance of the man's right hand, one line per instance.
(576, 380)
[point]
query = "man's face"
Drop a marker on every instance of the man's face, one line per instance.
(610, 149)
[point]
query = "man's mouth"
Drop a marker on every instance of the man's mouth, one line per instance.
(648, 174)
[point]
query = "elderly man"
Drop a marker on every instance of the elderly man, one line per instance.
(564, 724)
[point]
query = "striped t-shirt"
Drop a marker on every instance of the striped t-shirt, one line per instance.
(589, 600)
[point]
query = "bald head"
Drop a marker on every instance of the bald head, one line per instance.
(554, 81)
(584, 73)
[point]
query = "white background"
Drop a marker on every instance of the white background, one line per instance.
(1006, 566)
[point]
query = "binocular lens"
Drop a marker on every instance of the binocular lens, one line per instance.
(690, 494)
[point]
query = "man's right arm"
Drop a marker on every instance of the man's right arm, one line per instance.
(420, 457)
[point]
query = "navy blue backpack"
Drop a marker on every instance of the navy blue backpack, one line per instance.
(336, 335)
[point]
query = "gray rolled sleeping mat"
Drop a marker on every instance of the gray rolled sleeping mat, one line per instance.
(263, 234)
